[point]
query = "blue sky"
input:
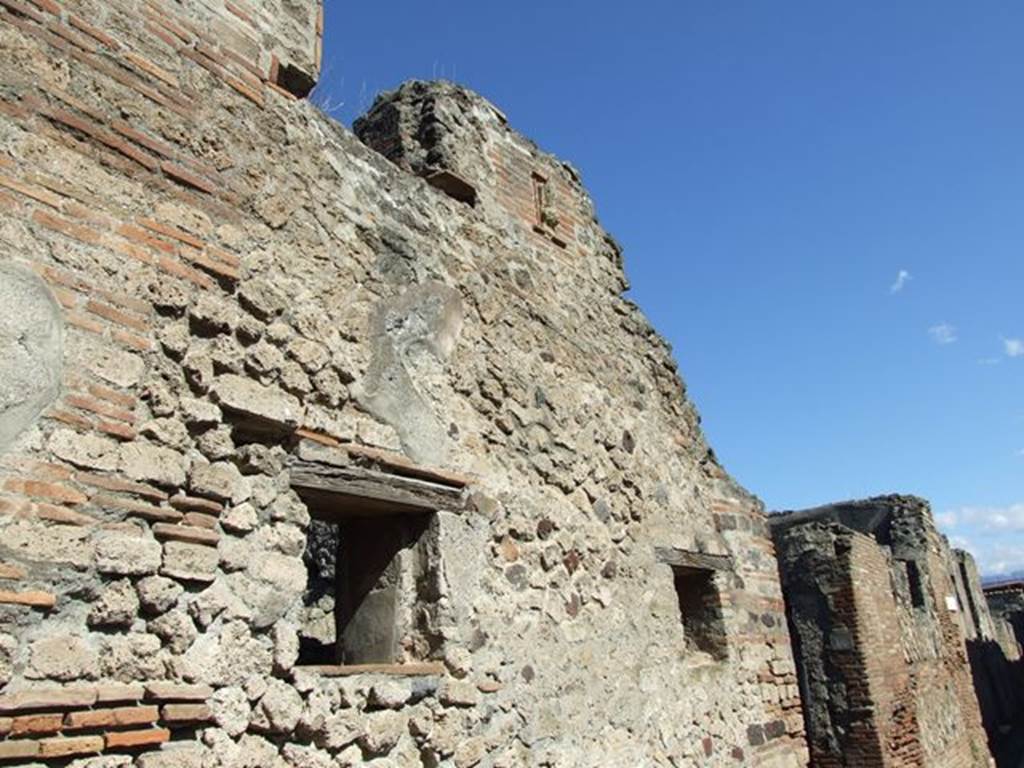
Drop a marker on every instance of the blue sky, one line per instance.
(772, 169)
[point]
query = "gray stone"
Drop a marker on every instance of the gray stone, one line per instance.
(63, 657)
(31, 350)
(267, 406)
(189, 562)
(221, 481)
(122, 554)
(153, 463)
(240, 519)
(231, 710)
(279, 709)
(176, 629)
(89, 451)
(157, 593)
(117, 605)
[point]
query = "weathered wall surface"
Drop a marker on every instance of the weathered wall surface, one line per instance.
(245, 289)
(878, 636)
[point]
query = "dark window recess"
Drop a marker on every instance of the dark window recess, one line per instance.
(452, 185)
(373, 586)
(294, 80)
(914, 582)
(700, 608)
(970, 598)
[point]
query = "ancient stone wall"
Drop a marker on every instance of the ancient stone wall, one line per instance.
(234, 319)
(878, 637)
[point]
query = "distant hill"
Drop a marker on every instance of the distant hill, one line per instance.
(1014, 575)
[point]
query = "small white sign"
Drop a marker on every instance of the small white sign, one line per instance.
(951, 604)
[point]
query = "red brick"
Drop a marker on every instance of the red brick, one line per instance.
(186, 533)
(40, 195)
(200, 520)
(146, 737)
(67, 417)
(11, 572)
(75, 231)
(138, 343)
(255, 96)
(118, 484)
(138, 137)
(100, 407)
(101, 37)
(23, 10)
(184, 176)
(71, 36)
(45, 490)
(152, 69)
(134, 508)
(185, 713)
(196, 504)
(116, 429)
(176, 268)
(210, 265)
(48, 5)
(36, 599)
(98, 390)
(141, 236)
(61, 515)
(173, 232)
(31, 725)
(113, 716)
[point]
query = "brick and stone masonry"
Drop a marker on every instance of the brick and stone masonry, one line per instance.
(880, 611)
(321, 452)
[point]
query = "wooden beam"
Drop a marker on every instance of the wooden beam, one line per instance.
(416, 669)
(381, 491)
(681, 558)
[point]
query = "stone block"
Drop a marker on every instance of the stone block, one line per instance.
(32, 339)
(126, 555)
(264, 406)
(189, 562)
(153, 463)
(69, 746)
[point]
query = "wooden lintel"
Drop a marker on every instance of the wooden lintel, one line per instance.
(681, 558)
(417, 669)
(344, 454)
(382, 491)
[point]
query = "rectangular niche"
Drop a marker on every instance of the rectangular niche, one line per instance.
(695, 577)
(372, 585)
(914, 584)
(374, 565)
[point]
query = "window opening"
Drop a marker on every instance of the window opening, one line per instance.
(695, 579)
(914, 582)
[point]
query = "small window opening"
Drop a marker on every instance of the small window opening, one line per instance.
(914, 582)
(970, 598)
(547, 217)
(700, 609)
(372, 587)
(294, 80)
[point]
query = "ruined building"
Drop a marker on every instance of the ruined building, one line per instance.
(880, 609)
(319, 451)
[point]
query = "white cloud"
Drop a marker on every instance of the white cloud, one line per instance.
(1013, 347)
(902, 278)
(992, 534)
(1008, 518)
(943, 333)
(990, 361)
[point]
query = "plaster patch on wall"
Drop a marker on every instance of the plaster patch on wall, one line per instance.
(413, 335)
(31, 350)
